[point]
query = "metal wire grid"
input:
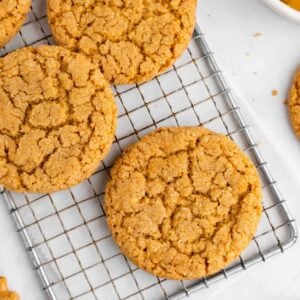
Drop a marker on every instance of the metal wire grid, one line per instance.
(66, 234)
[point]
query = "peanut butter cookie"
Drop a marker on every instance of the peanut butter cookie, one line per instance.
(5, 294)
(183, 202)
(57, 119)
(294, 104)
(12, 16)
(131, 40)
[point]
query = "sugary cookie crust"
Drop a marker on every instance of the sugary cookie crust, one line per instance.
(57, 119)
(12, 16)
(294, 104)
(183, 202)
(131, 40)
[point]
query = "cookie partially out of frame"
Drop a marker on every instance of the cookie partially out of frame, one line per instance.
(131, 40)
(12, 16)
(5, 293)
(294, 104)
(57, 119)
(183, 203)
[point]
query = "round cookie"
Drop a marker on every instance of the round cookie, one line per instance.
(294, 104)
(57, 119)
(183, 202)
(131, 40)
(12, 16)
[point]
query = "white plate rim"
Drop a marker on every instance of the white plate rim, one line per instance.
(284, 10)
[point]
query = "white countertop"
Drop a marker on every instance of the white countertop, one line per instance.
(254, 66)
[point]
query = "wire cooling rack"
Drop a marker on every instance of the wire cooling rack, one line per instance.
(66, 233)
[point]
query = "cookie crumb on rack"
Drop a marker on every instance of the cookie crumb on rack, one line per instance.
(274, 93)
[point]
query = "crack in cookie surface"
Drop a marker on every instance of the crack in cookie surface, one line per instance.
(131, 40)
(12, 16)
(57, 119)
(294, 104)
(183, 203)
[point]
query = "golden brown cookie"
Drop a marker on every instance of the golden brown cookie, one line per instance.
(12, 16)
(57, 119)
(5, 294)
(294, 104)
(183, 202)
(131, 40)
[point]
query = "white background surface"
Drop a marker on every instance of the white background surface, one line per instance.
(254, 66)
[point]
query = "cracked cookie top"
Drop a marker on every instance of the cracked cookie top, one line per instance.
(183, 203)
(57, 119)
(12, 16)
(131, 40)
(294, 104)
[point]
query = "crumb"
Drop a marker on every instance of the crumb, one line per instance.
(286, 102)
(257, 34)
(274, 93)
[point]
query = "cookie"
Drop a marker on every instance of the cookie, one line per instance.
(57, 119)
(294, 104)
(12, 16)
(183, 203)
(5, 294)
(131, 40)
